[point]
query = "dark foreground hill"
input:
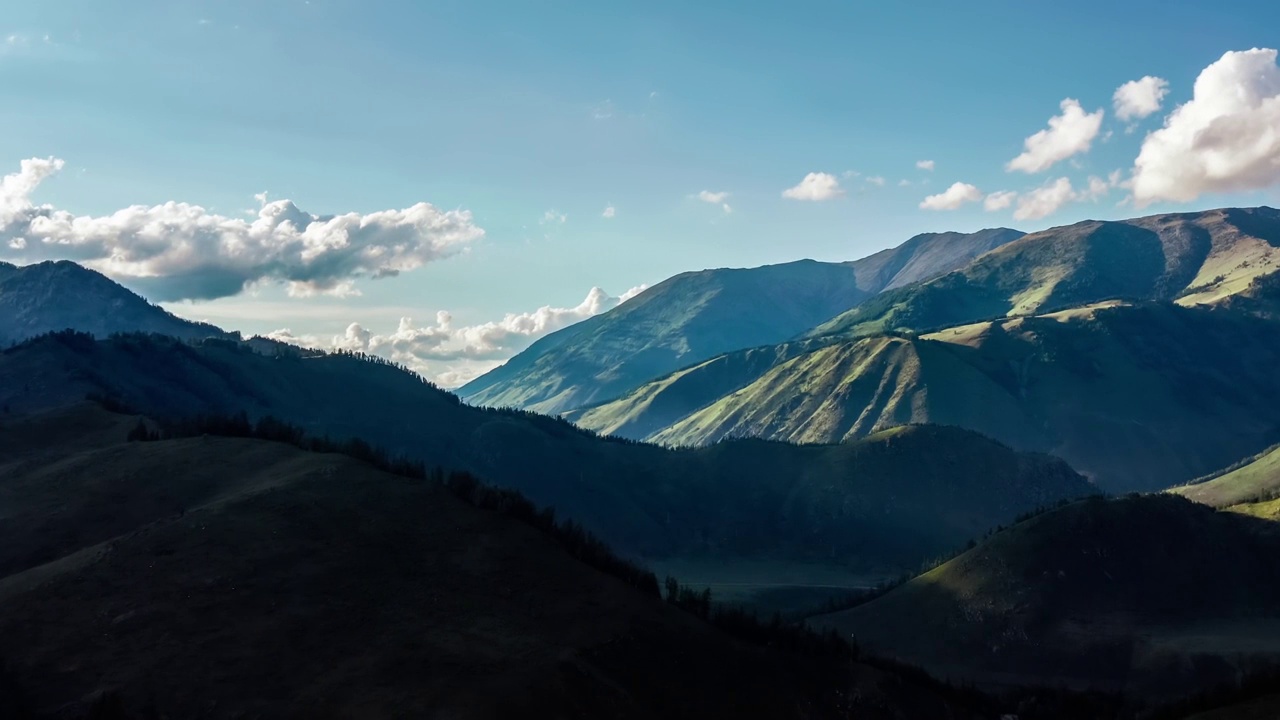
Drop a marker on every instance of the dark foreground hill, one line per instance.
(52, 296)
(697, 315)
(218, 577)
(888, 501)
(1151, 595)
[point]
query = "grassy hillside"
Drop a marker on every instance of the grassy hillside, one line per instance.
(1151, 595)
(1138, 397)
(1254, 479)
(653, 406)
(876, 503)
(698, 315)
(222, 577)
(1191, 257)
(52, 296)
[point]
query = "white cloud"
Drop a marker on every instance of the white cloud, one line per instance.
(715, 198)
(1096, 189)
(999, 200)
(553, 217)
(603, 111)
(904, 183)
(609, 212)
(1137, 99)
(451, 354)
(1225, 139)
(952, 198)
(925, 165)
(181, 251)
(816, 186)
(876, 180)
(1050, 197)
(1044, 200)
(1068, 134)
(850, 174)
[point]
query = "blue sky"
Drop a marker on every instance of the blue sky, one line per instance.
(536, 117)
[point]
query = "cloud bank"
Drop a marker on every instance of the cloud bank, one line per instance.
(452, 355)
(180, 251)
(1225, 139)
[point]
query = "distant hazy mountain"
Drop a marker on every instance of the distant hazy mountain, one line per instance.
(1150, 596)
(697, 315)
(52, 296)
(217, 577)
(891, 499)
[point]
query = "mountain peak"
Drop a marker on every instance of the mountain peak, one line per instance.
(55, 295)
(694, 316)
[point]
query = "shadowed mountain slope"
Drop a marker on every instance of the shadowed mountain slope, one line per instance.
(884, 501)
(697, 315)
(225, 578)
(52, 296)
(1151, 595)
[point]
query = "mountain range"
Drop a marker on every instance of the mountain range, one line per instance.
(167, 486)
(697, 315)
(893, 499)
(1160, 330)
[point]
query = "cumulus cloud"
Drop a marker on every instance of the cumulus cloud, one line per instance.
(1052, 196)
(999, 200)
(925, 165)
(1225, 139)
(1068, 134)
(815, 187)
(1095, 189)
(1044, 200)
(553, 217)
(715, 198)
(876, 180)
(1137, 99)
(181, 251)
(609, 212)
(952, 198)
(452, 354)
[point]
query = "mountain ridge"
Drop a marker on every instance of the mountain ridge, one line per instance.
(1151, 595)
(696, 315)
(734, 498)
(51, 296)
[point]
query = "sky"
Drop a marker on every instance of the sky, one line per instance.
(443, 182)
